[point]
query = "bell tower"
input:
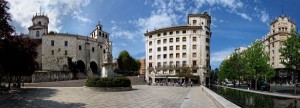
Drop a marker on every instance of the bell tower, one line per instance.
(39, 26)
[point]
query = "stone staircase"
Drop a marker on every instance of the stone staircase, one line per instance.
(137, 80)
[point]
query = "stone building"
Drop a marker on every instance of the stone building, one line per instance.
(90, 52)
(143, 66)
(280, 30)
(171, 48)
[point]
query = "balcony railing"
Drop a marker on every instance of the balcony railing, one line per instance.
(172, 67)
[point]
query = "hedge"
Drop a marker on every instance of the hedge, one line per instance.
(108, 82)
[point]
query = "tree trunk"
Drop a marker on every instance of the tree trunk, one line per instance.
(256, 79)
(9, 81)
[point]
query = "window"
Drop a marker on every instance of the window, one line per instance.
(66, 52)
(177, 39)
(184, 39)
(165, 48)
(194, 55)
(184, 47)
(150, 64)
(150, 36)
(158, 49)
(158, 56)
(164, 64)
(194, 39)
(158, 34)
(183, 63)
(40, 23)
(171, 48)
(66, 43)
(165, 56)
(177, 32)
(177, 47)
(37, 33)
(158, 41)
(52, 52)
(194, 22)
(165, 41)
(171, 55)
(79, 47)
(177, 55)
(177, 63)
(171, 40)
(52, 42)
(194, 63)
(158, 64)
(194, 31)
(93, 49)
(171, 63)
(150, 57)
(184, 31)
(150, 43)
(171, 33)
(194, 46)
(183, 55)
(104, 51)
(165, 33)
(150, 50)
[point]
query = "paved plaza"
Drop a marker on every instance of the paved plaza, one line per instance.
(142, 96)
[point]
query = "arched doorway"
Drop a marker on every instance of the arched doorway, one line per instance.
(94, 67)
(80, 66)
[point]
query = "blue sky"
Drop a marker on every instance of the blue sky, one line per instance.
(235, 23)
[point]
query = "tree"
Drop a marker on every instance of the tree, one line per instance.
(127, 64)
(256, 60)
(72, 67)
(186, 73)
(5, 29)
(291, 55)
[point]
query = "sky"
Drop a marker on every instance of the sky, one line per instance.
(235, 23)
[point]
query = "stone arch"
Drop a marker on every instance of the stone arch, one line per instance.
(94, 67)
(81, 66)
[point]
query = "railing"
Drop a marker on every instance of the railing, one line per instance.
(256, 99)
(172, 67)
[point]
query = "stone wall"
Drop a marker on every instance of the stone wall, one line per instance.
(51, 76)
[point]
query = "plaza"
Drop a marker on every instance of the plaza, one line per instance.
(142, 96)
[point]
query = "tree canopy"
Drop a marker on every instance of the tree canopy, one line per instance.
(127, 64)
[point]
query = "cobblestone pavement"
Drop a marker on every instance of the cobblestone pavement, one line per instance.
(142, 96)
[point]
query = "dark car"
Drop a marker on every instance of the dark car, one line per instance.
(261, 85)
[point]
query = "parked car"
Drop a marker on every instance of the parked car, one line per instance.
(261, 85)
(229, 84)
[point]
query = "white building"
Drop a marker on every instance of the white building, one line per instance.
(90, 52)
(171, 48)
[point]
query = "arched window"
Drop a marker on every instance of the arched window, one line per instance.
(39, 23)
(37, 33)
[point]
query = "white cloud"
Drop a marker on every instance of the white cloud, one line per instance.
(219, 56)
(264, 17)
(245, 16)
(23, 10)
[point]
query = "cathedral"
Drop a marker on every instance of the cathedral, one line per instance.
(90, 52)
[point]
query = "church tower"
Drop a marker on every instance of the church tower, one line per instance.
(39, 26)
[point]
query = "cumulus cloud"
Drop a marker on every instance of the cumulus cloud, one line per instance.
(23, 10)
(219, 56)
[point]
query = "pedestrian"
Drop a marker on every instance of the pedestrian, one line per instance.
(191, 84)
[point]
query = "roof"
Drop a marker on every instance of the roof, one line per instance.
(172, 28)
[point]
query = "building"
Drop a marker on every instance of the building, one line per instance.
(171, 48)
(143, 66)
(90, 52)
(280, 30)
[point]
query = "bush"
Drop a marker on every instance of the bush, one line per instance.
(108, 82)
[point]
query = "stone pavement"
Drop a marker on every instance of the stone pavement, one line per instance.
(142, 96)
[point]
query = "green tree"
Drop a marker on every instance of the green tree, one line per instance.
(72, 67)
(186, 73)
(291, 55)
(256, 60)
(127, 64)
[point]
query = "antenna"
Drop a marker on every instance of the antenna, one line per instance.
(281, 7)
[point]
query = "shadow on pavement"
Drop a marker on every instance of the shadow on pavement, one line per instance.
(36, 98)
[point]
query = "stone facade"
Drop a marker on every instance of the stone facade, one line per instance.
(169, 49)
(54, 48)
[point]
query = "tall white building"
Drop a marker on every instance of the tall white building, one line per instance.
(90, 52)
(171, 48)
